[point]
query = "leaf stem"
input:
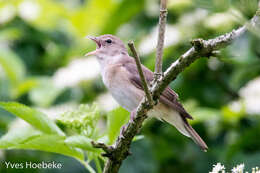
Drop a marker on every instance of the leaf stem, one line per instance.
(87, 166)
(98, 166)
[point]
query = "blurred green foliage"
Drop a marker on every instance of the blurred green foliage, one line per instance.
(39, 39)
(80, 127)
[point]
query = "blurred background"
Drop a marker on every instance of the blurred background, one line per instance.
(42, 43)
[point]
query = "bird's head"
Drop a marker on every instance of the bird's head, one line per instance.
(107, 46)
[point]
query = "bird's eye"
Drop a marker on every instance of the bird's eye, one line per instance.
(109, 41)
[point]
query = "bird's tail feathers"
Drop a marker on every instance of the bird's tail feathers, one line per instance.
(183, 126)
(195, 136)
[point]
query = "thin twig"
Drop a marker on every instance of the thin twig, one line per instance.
(107, 149)
(141, 73)
(201, 48)
(159, 52)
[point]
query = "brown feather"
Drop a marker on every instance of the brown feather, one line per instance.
(168, 97)
(195, 136)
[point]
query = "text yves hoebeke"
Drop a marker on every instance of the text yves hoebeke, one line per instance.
(32, 165)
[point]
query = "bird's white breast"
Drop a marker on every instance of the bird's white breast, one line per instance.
(116, 79)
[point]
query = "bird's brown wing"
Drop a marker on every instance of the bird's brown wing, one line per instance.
(168, 97)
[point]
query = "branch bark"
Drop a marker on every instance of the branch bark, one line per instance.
(159, 53)
(200, 48)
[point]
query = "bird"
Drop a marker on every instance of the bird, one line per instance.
(120, 75)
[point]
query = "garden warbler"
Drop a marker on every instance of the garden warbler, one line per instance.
(121, 77)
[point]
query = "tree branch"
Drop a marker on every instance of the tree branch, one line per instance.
(159, 53)
(200, 48)
(107, 149)
(141, 74)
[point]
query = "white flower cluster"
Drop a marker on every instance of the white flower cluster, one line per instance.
(239, 168)
(148, 44)
(77, 71)
(29, 10)
(218, 168)
(249, 98)
(106, 102)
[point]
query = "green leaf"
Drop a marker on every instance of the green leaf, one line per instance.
(29, 138)
(37, 119)
(12, 66)
(52, 143)
(115, 120)
(18, 136)
(82, 142)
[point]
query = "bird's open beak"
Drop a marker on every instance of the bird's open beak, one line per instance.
(95, 39)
